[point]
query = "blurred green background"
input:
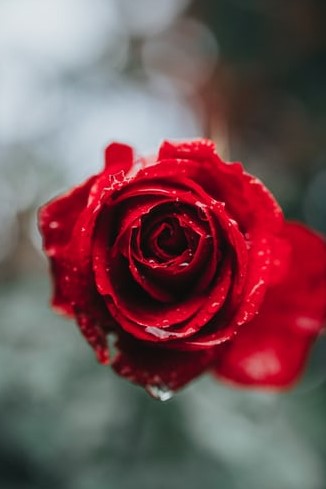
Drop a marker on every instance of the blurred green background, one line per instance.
(76, 74)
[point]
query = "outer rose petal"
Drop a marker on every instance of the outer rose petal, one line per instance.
(67, 224)
(57, 217)
(88, 307)
(118, 157)
(247, 200)
(271, 350)
(56, 222)
(151, 366)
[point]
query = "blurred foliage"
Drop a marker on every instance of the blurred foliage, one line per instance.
(250, 74)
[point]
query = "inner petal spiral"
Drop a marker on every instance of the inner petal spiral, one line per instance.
(164, 240)
(161, 258)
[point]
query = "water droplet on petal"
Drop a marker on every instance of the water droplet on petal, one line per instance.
(158, 332)
(51, 251)
(54, 224)
(200, 204)
(160, 392)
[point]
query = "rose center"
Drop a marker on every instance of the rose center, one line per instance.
(165, 240)
(172, 239)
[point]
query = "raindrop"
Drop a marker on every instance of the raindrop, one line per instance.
(54, 224)
(200, 204)
(158, 332)
(160, 392)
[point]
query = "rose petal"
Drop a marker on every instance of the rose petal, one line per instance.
(271, 350)
(118, 157)
(304, 288)
(156, 367)
(257, 280)
(57, 218)
(266, 353)
(75, 281)
(93, 324)
(170, 323)
(248, 201)
(280, 258)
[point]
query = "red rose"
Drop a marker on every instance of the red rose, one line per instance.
(189, 261)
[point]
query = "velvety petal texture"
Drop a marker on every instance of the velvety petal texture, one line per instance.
(271, 350)
(188, 263)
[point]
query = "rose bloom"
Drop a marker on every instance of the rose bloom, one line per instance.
(188, 262)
